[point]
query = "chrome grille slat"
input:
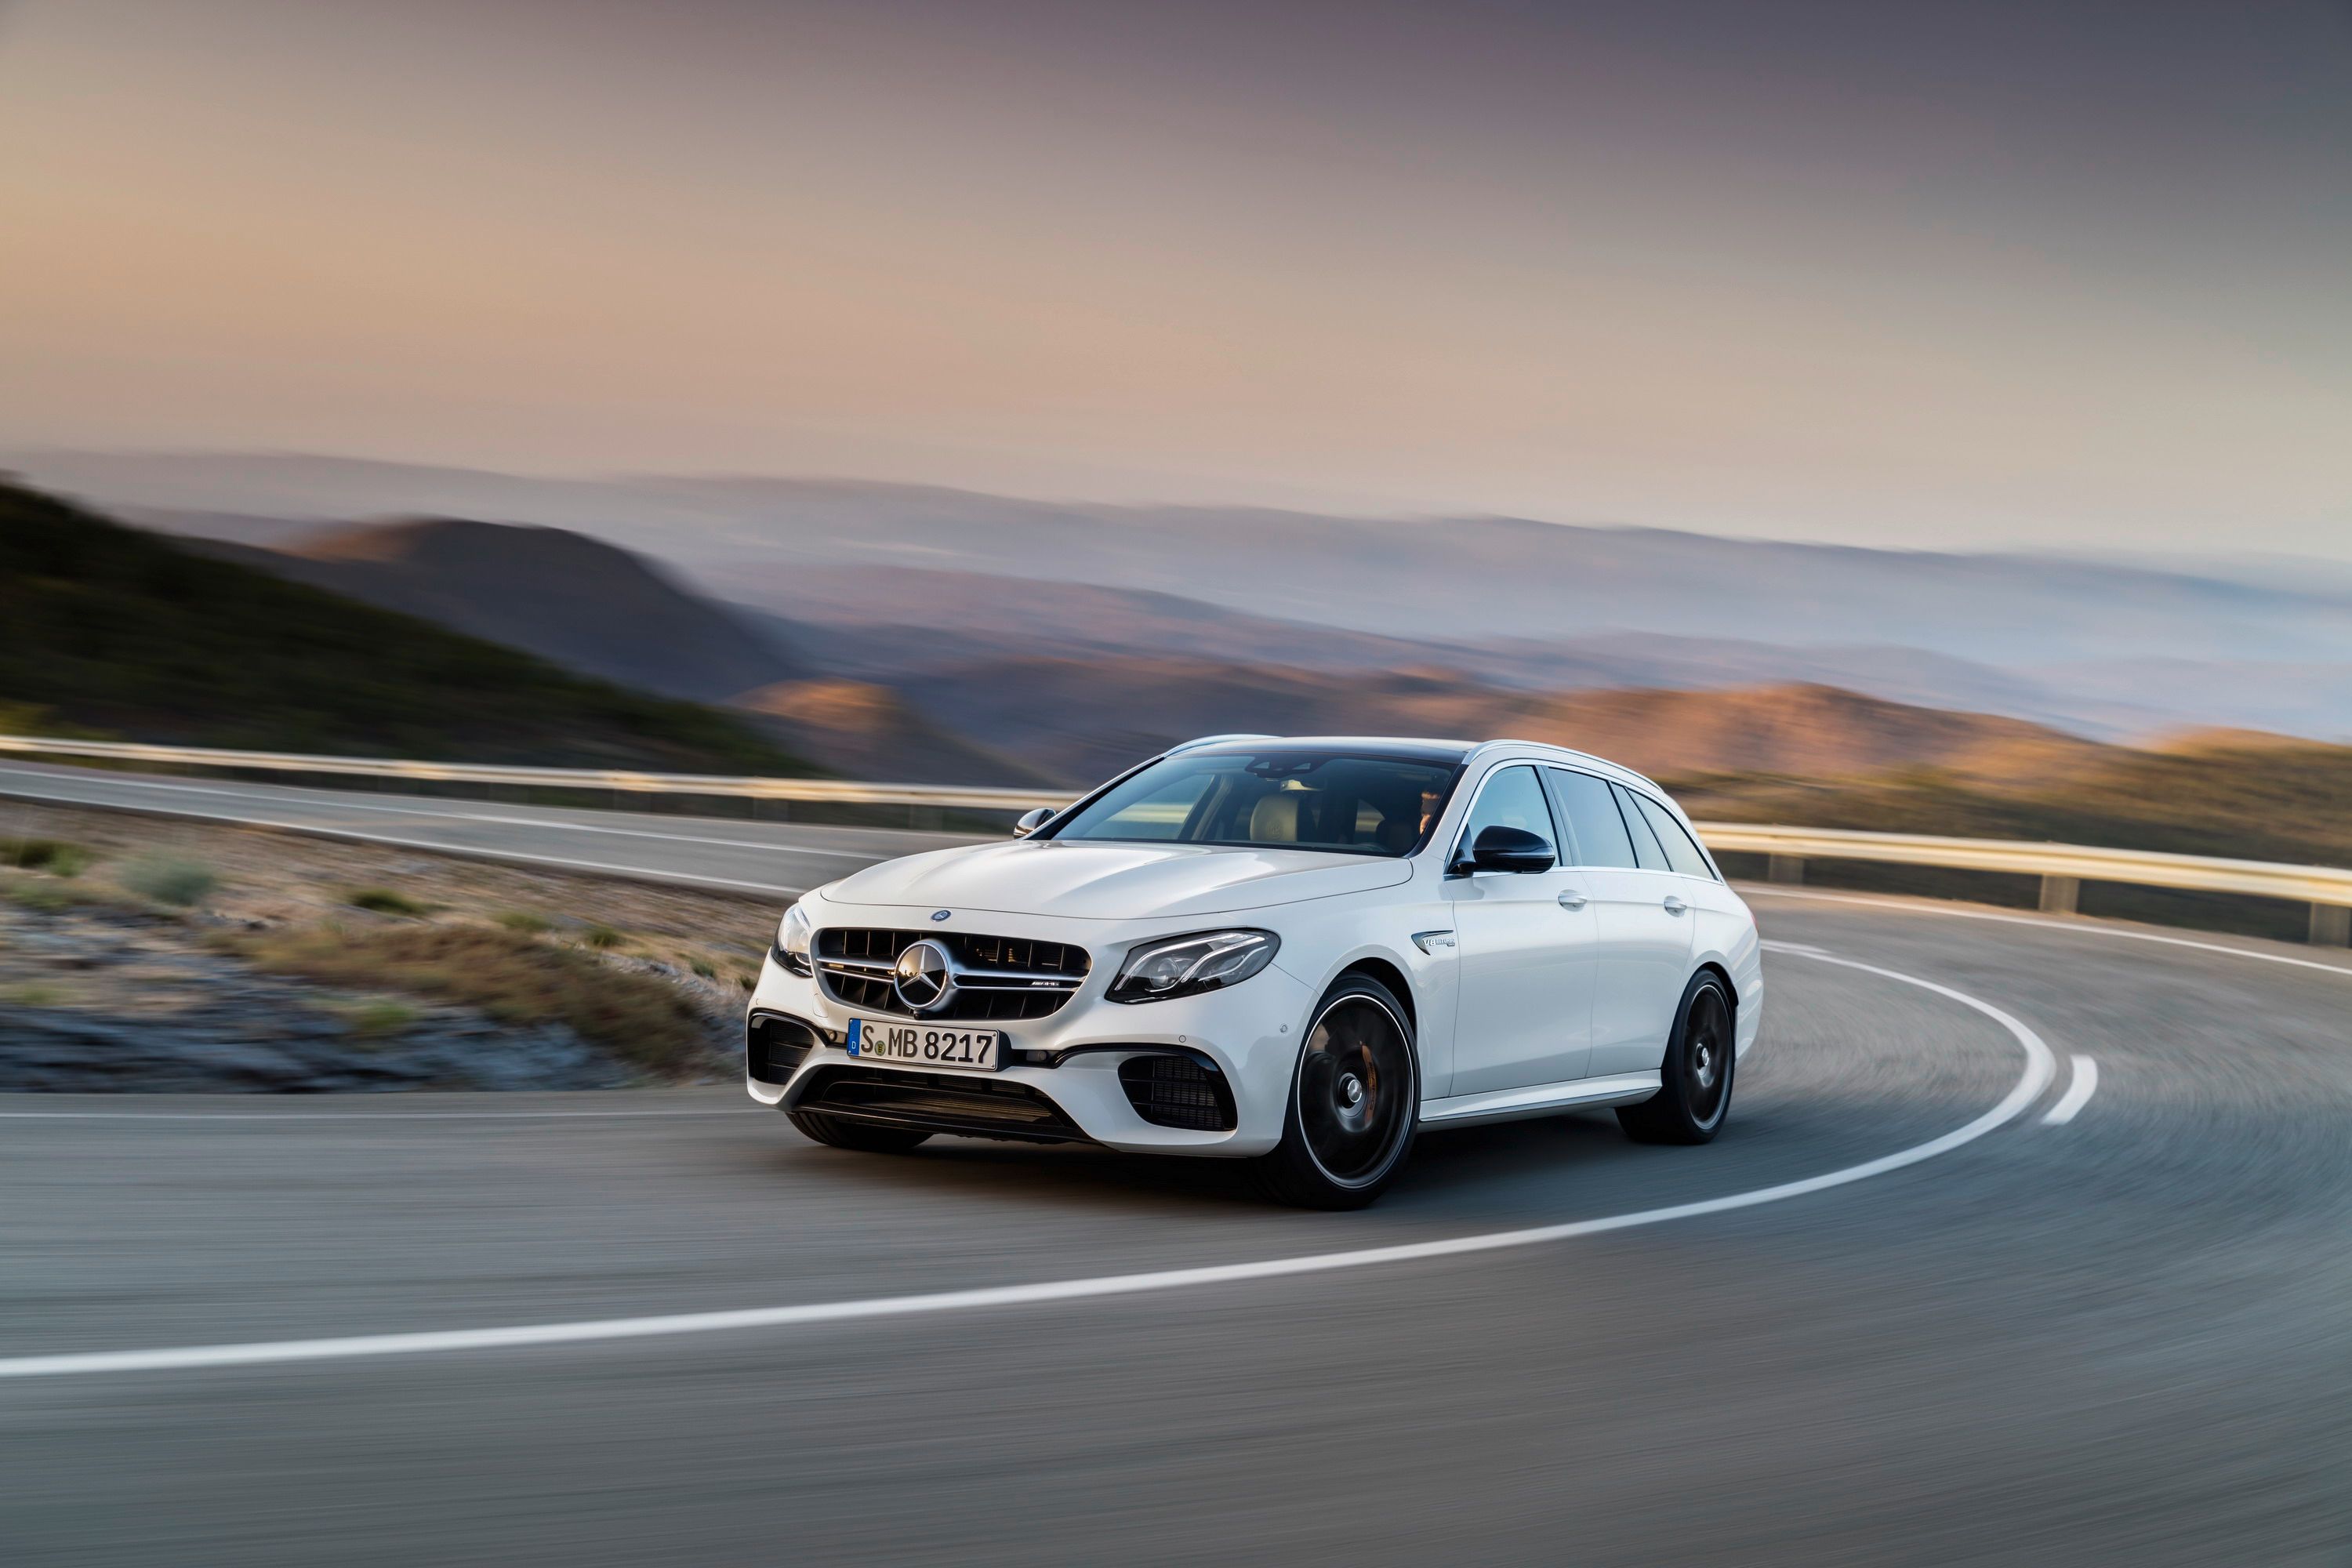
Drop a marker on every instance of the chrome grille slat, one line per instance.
(998, 978)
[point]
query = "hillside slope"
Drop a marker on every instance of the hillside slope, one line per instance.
(1085, 718)
(868, 731)
(2252, 797)
(106, 627)
(564, 597)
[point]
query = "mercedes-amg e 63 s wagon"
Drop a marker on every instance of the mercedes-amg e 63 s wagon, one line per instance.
(1298, 952)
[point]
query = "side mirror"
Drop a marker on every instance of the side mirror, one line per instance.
(1031, 821)
(1500, 848)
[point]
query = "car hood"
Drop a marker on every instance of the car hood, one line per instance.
(1113, 882)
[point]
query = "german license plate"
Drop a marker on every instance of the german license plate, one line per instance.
(926, 1045)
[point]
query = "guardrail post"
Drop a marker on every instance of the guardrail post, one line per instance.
(1787, 869)
(2061, 894)
(2331, 925)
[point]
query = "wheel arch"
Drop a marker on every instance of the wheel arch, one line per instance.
(1722, 972)
(1373, 966)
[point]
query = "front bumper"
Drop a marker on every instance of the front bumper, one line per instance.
(1250, 1032)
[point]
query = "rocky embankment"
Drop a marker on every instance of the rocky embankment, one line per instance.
(116, 1001)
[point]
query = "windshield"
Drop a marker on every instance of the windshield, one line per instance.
(1339, 802)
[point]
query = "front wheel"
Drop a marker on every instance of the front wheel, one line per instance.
(1355, 1102)
(1694, 1081)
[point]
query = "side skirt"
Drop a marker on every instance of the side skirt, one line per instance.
(1538, 1099)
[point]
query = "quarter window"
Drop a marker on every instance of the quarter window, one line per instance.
(1646, 847)
(1590, 816)
(1682, 850)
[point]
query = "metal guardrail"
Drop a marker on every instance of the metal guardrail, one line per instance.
(2062, 867)
(617, 780)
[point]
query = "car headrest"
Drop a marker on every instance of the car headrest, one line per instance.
(1274, 818)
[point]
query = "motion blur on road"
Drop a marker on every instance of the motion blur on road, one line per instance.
(545, 485)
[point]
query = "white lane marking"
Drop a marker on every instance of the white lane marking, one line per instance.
(387, 1117)
(2078, 1093)
(2039, 1067)
(2091, 928)
(329, 803)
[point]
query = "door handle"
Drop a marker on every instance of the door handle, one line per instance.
(1674, 906)
(1571, 901)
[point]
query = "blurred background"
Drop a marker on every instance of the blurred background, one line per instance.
(1924, 417)
(992, 394)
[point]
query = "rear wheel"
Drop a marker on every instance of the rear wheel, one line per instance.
(1694, 1081)
(1355, 1102)
(864, 1137)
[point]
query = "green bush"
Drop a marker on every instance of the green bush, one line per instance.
(513, 978)
(524, 921)
(169, 880)
(42, 898)
(57, 857)
(602, 936)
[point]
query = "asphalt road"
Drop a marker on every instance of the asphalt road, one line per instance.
(2121, 1338)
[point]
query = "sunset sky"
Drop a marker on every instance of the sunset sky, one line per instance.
(1888, 273)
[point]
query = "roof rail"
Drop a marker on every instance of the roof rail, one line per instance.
(1195, 744)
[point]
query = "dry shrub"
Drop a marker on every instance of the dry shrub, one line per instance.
(511, 977)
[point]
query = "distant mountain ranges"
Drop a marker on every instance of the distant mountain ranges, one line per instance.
(1000, 682)
(119, 631)
(474, 640)
(907, 576)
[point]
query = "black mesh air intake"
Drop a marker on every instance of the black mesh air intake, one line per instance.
(773, 1045)
(969, 1104)
(1178, 1091)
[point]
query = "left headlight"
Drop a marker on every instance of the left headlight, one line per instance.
(792, 941)
(1186, 965)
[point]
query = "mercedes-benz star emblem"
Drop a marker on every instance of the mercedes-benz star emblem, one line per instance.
(923, 977)
(941, 914)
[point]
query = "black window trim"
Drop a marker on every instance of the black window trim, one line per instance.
(1454, 859)
(1676, 817)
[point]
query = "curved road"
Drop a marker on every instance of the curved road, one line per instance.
(2119, 1337)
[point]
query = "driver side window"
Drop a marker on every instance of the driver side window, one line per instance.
(1512, 797)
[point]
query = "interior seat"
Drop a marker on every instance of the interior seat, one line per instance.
(1274, 818)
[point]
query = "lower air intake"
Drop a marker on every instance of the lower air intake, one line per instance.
(1178, 1091)
(970, 1104)
(775, 1044)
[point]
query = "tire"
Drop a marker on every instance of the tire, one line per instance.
(1354, 1103)
(835, 1133)
(1694, 1095)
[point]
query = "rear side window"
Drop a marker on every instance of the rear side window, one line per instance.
(1512, 798)
(1592, 816)
(1646, 847)
(1682, 850)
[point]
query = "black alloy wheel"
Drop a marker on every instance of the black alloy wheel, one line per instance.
(1355, 1102)
(1694, 1079)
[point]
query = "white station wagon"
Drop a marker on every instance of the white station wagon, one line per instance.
(1298, 952)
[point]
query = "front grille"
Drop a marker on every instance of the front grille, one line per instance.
(774, 1045)
(1178, 1091)
(998, 978)
(972, 1105)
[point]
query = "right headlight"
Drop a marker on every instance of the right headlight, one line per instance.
(1187, 965)
(792, 941)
